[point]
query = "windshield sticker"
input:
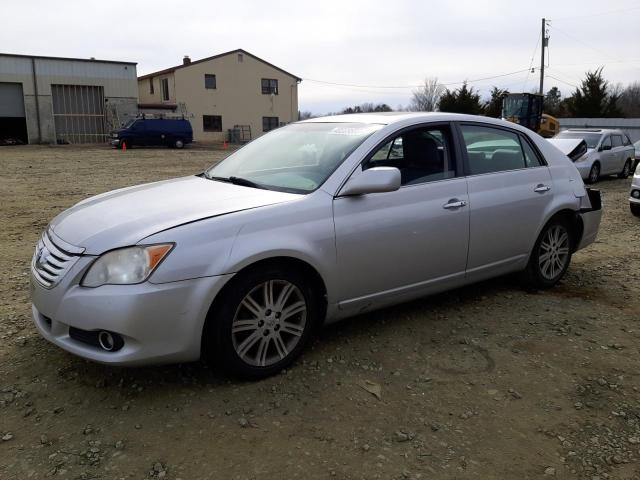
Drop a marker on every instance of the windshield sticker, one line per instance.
(354, 131)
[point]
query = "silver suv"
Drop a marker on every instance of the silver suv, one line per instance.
(609, 152)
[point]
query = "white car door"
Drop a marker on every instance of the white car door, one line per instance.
(608, 162)
(619, 152)
(509, 189)
(397, 245)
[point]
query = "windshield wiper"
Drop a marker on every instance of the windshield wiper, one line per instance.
(245, 182)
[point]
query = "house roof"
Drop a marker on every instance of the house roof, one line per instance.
(195, 62)
(93, 60)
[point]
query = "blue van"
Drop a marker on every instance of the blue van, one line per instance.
(153, 131)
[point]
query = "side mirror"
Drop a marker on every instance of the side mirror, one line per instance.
(373, 180)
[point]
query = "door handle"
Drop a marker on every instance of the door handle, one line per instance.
(454, 203)
(541, 188)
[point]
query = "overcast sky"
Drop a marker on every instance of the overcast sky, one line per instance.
(371, 43)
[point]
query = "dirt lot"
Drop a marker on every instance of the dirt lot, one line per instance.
(488, 381)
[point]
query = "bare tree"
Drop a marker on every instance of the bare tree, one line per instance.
(304, 115)
(630, 100)
(427, 97)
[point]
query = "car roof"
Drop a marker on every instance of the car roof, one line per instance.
(388, 118)
(592, 130)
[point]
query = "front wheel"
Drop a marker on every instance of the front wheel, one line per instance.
(626, 170)
(550, 257)
(635, 209)
(178, 144)
(262, 322)
(594, 173)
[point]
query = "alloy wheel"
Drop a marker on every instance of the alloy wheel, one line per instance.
(269, 323)
(594, 174)
(554, 252)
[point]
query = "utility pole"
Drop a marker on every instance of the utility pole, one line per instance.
(545, 43)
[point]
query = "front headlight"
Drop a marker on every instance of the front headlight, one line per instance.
(125, 266)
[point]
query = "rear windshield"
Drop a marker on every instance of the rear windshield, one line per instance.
(592, 139)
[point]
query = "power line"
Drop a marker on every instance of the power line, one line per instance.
(535, 49)
(561, 81)
(610, 12)
(353, 85)
(581, 41)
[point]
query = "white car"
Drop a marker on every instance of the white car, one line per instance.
(634, 195)
(609, 152)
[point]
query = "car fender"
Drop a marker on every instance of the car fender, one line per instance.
(307, 235)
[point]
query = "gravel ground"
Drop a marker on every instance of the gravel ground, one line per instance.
(488, 381)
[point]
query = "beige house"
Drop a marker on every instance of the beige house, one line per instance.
(221, 92)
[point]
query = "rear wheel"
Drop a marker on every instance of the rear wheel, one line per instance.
(178, 143)
(626, 170)
(551, 255)
(262, 322)
(635, 209)
(594, 173)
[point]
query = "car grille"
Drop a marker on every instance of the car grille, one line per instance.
(50, 263)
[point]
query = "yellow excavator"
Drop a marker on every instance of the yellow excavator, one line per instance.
(526, 109)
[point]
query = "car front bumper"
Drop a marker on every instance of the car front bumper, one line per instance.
(159, 323)
(635, 187)
(115, 142)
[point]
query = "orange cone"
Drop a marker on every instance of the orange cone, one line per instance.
(225, 145)
(124, 146)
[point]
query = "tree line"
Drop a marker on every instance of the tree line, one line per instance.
(595, 97)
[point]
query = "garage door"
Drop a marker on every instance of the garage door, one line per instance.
(13, 126)
(78, 113)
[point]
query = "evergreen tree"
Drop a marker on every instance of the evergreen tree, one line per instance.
(594, 98)
(493, 108)
(463, 100)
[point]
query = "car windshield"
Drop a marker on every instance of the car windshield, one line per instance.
(129, 123)
(592, 139)
(515, 106)
(297, 158)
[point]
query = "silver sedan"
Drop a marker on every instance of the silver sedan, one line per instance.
(308, 224)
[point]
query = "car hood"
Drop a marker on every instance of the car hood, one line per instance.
(574, 148)
(124, 217)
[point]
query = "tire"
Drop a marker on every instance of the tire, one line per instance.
(626, 170)
(178, 144)
(555, 241)
(251, 338)
(594, 173)
(635, 209)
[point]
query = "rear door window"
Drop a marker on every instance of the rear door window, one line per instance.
(492, 150)
(616, 140)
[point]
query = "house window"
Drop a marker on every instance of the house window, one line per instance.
(164, 86)
(212, 123)
(269, 123)
(269, 86)
(209, 81)
(151, 90)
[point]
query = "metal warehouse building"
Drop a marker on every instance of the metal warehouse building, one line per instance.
(64, 100)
